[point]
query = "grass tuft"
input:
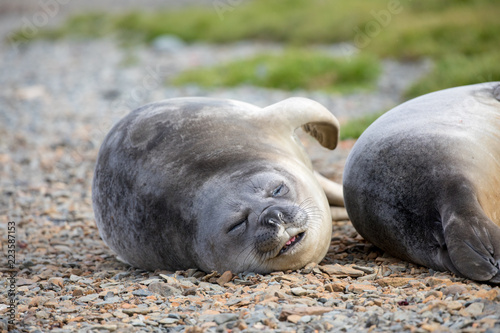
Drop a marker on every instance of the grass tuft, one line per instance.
(291, 70)
(353, 128)
(458, 70)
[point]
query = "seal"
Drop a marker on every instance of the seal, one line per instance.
(423, 181)
(215, 184)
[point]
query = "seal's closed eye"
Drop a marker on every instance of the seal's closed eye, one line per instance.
(282, 189)
(238, 226)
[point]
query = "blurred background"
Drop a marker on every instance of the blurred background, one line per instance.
(397, 48)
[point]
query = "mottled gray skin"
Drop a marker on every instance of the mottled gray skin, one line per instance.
(423, 181)
(214, 185)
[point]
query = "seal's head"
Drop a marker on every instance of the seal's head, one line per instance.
(268, 220)
(215, 185)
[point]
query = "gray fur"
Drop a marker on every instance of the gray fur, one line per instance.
(422, 182)
(173, 179)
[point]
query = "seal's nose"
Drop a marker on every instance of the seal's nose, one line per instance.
(272, 216)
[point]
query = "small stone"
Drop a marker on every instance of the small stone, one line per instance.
(51, 304)
(293, 318)
(138, 310)
(475, 309)
(225, 317)
(57, 281)
(309, 268)
(120, 314)
(240, 324)
(107, 294)
(110, 300)
(393, 282)
(74, 278)
(138, 322)
(341, 271)
(288, 278)
(86, 281)
(37, 301)
(359, 288)
(189, 291)
(42, 315)
(107, 327)
(168, 321)
(299, 291)
(433, 294)
(225, 278)
(487, 294)
(163, 289)
(68, 309)
(369, 277)
(336, 287)
(328, 326)
(401, 316)
(271, 323)
(280, 294)
(305, 319)
(24, 282)
(149, 281)
(433, 282)
(174, 315)
(454, 305)
(373, 320)
(367, 270)
(88, 298)
(433, 327)
(77, 292)
(142, 293)
(170, 280)
(454, 289)
(304, 311)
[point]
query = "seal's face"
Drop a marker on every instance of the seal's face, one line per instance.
(264, 222)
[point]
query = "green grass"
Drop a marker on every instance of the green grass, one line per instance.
(461, 36)
(353, 128)
(419, 28)
(291, 70)
(458, 70)
(461, 27)
(299, 21)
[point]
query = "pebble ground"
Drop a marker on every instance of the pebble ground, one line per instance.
(57, 101)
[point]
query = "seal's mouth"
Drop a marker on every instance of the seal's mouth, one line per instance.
(292, 242)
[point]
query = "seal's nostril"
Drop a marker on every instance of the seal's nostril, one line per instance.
(272, 221)
(273, 217)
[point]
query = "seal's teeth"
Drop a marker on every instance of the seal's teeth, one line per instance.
(291, 240)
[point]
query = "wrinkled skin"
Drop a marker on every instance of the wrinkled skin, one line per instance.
(214, 185)
(423, 181)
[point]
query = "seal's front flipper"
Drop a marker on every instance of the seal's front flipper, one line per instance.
(333, 191)
(473, 242)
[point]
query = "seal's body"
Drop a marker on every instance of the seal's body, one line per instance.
(215, 185)
(423, 181)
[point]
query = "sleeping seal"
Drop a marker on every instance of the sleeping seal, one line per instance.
(423, 181)
(216, 185)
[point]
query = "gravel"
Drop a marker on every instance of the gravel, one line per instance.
(58, 99)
